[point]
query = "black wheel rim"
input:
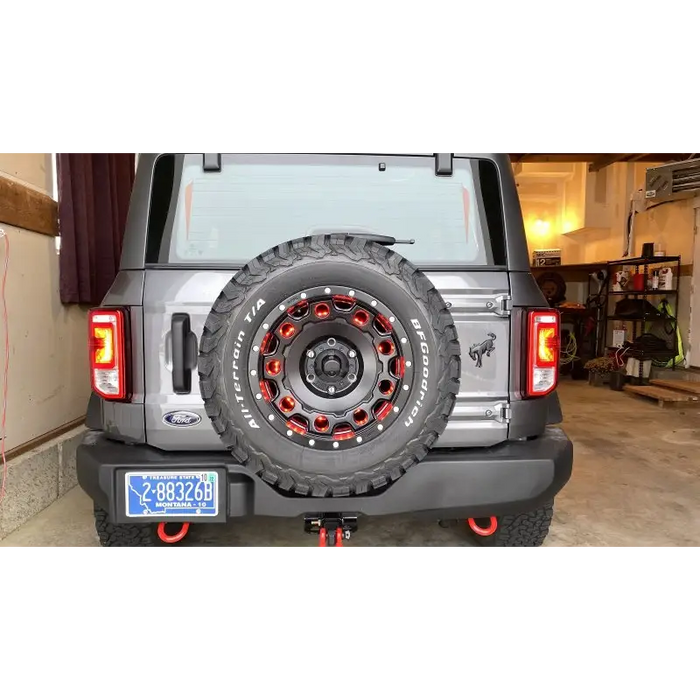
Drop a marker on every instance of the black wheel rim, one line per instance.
(331, 368)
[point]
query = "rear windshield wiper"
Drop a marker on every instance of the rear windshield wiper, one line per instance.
(384, 240)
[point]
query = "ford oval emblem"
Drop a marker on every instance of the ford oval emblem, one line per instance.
(182, 419)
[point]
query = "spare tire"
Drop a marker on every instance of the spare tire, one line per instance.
(329, 366)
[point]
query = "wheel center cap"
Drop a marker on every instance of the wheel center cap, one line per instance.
(332, 366)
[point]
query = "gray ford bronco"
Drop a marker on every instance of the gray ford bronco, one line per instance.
(324, 337)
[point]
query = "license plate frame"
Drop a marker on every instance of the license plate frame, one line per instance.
(205, 508)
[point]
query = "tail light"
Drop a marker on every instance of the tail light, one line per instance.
(544, 347)
(107, 353)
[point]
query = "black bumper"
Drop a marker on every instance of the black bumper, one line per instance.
(514, 478)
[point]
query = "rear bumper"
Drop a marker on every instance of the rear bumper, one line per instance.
(514, 478)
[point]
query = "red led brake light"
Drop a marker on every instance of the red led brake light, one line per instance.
(544, 348)
(107, 353)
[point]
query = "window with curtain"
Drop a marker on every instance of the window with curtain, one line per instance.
(94, 190)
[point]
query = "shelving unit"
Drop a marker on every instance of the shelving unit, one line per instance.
(589, 342)
(643, 266)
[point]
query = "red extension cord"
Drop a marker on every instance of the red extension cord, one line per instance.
(6, 369)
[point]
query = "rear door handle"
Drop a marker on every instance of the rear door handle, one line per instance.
(184, 353)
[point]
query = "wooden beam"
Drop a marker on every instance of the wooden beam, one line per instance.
(23, 207)
(617, 157)
(593, 157)
(41, 439)
(638, 156)
(555, 157)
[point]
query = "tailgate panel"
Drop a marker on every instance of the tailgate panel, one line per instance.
(476, 300)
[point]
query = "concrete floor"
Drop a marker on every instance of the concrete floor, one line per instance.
(636, 483)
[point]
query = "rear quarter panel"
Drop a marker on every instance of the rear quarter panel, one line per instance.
(169, 292)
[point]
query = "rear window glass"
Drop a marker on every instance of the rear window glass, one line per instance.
(258, 201)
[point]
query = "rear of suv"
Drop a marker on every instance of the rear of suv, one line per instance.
(324, 336)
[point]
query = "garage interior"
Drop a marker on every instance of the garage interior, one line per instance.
(601, 231)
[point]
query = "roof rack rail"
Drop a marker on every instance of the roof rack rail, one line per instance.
(444, 163)
(212, 161)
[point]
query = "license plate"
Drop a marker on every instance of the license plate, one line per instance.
(185, 496)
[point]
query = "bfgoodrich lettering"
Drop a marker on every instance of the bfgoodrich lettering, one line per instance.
(424, 370)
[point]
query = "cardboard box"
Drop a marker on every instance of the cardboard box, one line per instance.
(546, 258)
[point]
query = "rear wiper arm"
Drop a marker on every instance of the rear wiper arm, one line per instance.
(383, 240)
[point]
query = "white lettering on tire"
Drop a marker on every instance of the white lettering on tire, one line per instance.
(424, 365)
(254, 310)
(237, 382)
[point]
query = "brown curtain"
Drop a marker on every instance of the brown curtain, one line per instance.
(93, 200)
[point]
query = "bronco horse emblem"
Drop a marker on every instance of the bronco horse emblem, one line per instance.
(477, 352)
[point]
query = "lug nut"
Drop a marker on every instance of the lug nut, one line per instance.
(331, 390)
(331, 342)
(352, 378)
(311, 378)
(352, 354)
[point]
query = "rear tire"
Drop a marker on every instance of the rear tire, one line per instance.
(525, 530)
(135, 535)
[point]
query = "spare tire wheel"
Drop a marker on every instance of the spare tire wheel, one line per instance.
(329, 366)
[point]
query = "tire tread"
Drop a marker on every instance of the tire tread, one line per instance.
(524, 530)
(133, 535)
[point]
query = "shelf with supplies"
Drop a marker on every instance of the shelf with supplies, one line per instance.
(648, 293)
(654, 278)
(640, 262)
(582, 315)
(648, 318)
(644, 354)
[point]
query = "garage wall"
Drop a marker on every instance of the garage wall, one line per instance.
(33, 169)
(48, 382)
(671, 226)
(591, 228)
(582, 213)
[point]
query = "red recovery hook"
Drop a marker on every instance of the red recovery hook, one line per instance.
(484, 531)
(332, 529)
(173, 539)
(324, 537)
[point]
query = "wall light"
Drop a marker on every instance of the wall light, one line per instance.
(541, 227)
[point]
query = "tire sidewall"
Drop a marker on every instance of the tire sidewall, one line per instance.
(250, 415)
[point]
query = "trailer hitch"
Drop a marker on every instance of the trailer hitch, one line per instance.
(332, 528)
